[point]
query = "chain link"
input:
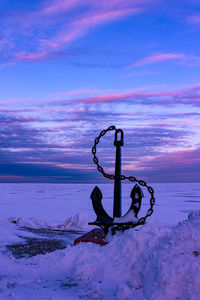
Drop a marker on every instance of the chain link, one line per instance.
(123, 177)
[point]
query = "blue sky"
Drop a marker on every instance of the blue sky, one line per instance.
(69, 69)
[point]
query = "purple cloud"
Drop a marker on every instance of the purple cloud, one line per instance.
(53, 25)
(56, 145)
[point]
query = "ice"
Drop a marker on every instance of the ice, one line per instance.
(57, 202)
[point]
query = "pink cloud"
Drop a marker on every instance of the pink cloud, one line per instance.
(11, 178)
(155, 58)
(76, 92)
(76, 22)
(176, 159)
(24, 56)
(172, 97)
(105, 98)
(195, 19)
(188, 60)
(177, 166)
(128, 96)
(6, 64)
(58, 6)
(81, 26)
(8, 102)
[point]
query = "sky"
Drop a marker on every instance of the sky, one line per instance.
(71, 68)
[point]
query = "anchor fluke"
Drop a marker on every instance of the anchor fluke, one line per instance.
(131, 216)
(136, 196)
(102, 216)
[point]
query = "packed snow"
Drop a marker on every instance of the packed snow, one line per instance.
(151, 262)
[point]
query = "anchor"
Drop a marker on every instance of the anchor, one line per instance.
(117, 222)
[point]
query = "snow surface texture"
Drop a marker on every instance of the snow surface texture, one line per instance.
(151, 262)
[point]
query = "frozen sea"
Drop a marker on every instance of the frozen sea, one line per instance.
(38, 223)
(51, 202)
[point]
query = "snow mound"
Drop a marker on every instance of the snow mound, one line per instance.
(150, 262)
(8, 233)
(77, 222)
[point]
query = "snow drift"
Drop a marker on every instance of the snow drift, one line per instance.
(151, 262)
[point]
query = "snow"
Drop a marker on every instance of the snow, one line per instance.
(129, 217)
(151, 262)
(79, 221)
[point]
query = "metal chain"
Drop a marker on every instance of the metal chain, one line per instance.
(123, 177)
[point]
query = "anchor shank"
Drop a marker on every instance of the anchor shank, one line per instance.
(117, 183)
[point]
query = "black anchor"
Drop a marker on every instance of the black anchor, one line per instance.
(118, 222)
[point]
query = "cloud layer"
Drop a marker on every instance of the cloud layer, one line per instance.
(52, 142)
